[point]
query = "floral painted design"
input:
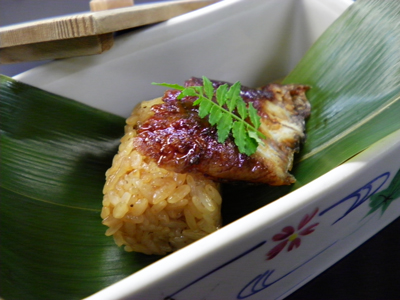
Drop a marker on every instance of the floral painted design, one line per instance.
(292, 236)
(383, 199)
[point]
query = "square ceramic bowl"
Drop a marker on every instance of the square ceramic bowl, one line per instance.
(254, 42)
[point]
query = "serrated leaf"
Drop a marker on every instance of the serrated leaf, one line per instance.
(224, 126)
(215, 115)
(204, 107)
(233, 101)
(221, 94)
(198, 89)
(239, 134)
(188, 92)
(232, 97)
(169, 85)
(208, 87)
(241, 108)
(198, 100)
(256, 136)
(251, 143)
(254, 117)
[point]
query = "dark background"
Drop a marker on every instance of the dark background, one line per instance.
(372, 271)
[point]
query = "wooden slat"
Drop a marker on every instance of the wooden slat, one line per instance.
(98, 5)
(88, 45)
(68, 28)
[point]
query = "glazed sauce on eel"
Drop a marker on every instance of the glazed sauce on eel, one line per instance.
(179, 140)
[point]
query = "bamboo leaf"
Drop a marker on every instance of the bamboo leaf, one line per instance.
(54, 155)
(354, 72)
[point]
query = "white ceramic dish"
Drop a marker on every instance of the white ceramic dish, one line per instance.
(231, 41)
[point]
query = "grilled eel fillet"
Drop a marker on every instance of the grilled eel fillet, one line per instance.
(179, 140)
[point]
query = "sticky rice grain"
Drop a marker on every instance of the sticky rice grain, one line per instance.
(149, 209)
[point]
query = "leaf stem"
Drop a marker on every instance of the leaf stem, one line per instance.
(246, 135)
(235, 116)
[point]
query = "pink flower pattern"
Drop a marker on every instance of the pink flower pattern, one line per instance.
(289, 235)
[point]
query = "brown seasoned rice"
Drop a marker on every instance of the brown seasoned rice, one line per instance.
(151, 210)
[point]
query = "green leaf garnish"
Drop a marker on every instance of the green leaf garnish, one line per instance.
(229, 113)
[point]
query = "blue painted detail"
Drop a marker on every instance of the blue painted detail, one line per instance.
(263, 281)
(216, 269)
(260, 282)
(360, 196)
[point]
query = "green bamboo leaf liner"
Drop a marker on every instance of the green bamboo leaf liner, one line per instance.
(55, 152)
(354, 73)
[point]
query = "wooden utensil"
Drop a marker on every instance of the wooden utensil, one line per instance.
(86, 33)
